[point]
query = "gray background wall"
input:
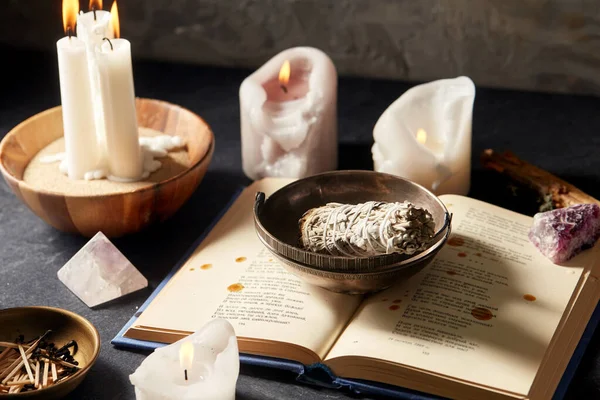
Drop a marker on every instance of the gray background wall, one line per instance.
(545, 45)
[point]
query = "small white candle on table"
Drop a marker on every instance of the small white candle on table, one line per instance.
(125, 161)
(81, 149)
(202, 366)
(288, 110)
(425, 136)
(92, 28)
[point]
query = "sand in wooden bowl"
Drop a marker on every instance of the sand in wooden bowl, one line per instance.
(47, 176)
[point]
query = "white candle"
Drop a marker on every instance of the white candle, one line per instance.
(289, 129)
(92, 27)
(210, 357)
(75, 92)
(425, 136)
(118, 102)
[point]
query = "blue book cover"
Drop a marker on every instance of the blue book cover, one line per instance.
(319, 374)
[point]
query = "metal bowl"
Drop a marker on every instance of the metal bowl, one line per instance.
(276, 221)
(65, 326)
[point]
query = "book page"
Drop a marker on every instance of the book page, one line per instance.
(232, 276)
(484, 311)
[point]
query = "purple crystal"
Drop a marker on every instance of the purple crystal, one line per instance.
(561, 234)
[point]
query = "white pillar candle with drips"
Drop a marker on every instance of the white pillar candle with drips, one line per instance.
(118, 98)
(425, 136)
(289, 116)
(92, 28)
(209, 359)
(76, 98)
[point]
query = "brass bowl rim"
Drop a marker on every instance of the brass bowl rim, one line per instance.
(80, 319)
(22, 183)
(385, 259)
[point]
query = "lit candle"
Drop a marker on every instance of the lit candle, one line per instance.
(202, 366)
(425, 136)
(92, 28)
(94, 25)
(186, 358)
(75, 92)
(118, 103)
(289, 116)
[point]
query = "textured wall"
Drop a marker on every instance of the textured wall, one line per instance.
(526, 44)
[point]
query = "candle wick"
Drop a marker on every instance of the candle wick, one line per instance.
(94, 11)
(284, 88)
(69, 32)
(109, 42)
(185, 373)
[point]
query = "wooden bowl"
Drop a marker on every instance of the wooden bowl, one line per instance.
(115, 214)
(65, 325)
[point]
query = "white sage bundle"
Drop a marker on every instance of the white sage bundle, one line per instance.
(368, 229)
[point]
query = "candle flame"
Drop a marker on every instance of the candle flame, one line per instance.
(186, 355)
(284, 73)
(114, 20)
(421, 136)
(95, 4)
(70, 8)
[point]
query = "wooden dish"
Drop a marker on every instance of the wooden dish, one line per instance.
(115, 214)
(65, 325)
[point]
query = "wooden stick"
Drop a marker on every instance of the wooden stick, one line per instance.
(54, 374)
(27, 353)
(61, 362)
(13, 345)
(26, 362)
(5, 353)
(20, 382)
(46, 368)
(12, 373)
(556, 192)
(5, 363)
(37, 374)
(45, 380)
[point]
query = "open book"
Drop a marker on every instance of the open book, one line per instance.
(489, 318)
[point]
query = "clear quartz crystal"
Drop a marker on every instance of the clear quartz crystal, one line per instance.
(99, 273)
(561, 234)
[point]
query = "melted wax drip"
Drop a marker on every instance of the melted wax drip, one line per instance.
(153, 147)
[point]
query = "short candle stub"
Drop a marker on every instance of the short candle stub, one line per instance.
(109, 42)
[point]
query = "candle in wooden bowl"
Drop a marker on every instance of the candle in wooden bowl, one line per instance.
(92, 27)
(115, 208)
(82, 150)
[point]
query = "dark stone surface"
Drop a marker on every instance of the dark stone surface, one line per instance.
(556, 132)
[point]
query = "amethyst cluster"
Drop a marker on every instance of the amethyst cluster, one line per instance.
(561, 234)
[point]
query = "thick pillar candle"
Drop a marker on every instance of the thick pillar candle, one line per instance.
(425, 136)
(77, 109)
(289, 116)
(202, 366)
(118, 100)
